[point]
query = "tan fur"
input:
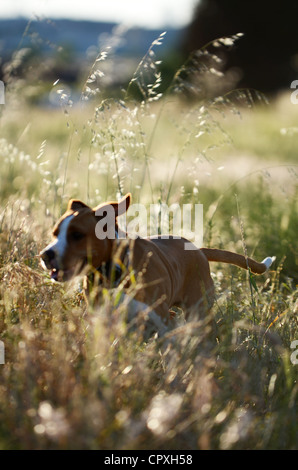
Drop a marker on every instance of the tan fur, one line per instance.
(167, 275)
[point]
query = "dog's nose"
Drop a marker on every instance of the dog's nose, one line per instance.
(47, 256)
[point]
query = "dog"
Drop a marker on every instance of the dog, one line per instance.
(164, 273)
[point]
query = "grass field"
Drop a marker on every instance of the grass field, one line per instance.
(76, 379)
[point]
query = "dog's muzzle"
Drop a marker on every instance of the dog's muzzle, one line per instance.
(49, 261)
(47, 256)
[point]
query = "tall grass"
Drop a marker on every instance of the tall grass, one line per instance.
(75, 377)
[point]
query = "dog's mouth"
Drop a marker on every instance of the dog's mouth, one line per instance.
(63, 275)
(59, 275)
(54, 274)
(58, 271)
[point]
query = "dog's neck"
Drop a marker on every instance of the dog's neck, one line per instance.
(111, 272)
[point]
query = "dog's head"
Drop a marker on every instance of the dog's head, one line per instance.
(82, 236)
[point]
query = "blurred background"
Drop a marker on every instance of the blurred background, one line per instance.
(99, 101)
(58, 39)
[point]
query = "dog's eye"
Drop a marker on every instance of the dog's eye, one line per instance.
(77, 236)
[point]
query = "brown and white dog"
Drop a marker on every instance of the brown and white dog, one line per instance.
(166, 274)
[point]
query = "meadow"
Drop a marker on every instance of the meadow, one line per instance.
(76, 378)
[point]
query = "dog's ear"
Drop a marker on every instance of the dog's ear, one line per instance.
(117, 207)
(75, 205)
(122, 205)
(106, 215)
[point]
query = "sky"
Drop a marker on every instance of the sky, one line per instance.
(146, 13)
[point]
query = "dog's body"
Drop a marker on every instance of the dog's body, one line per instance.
(166, 274)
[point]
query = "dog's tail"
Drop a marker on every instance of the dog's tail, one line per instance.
(223, 256)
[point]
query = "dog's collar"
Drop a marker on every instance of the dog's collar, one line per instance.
(114, 270)
(111, 272)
